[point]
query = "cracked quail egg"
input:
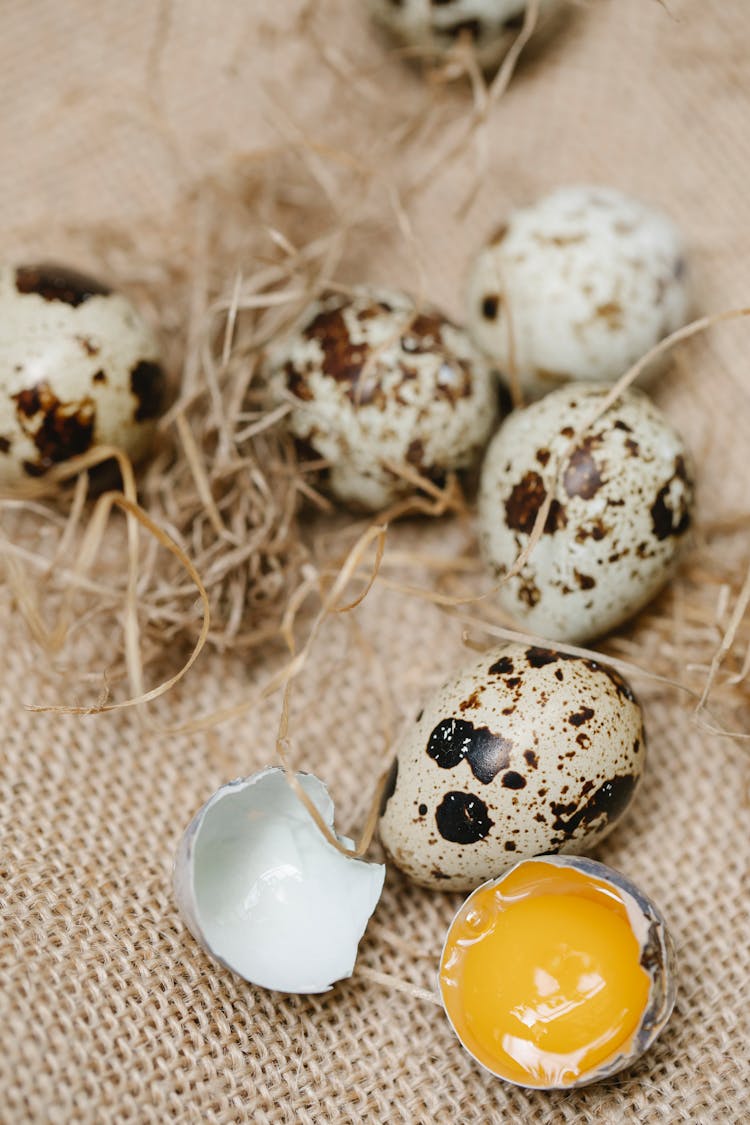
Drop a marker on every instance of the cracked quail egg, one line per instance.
(579, 285)
(620, 511)
(557, 974)
(436, 28)
(79, 367)
(265, 893)
(378, 386)
(525, 751)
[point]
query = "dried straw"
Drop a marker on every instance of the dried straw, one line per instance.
(221, 502)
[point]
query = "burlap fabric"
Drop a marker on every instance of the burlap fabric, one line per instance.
(110, 1012)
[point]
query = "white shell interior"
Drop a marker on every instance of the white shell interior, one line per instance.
(271, 897)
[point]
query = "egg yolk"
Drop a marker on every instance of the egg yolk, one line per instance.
(541, 975)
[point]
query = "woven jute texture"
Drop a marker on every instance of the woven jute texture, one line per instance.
(110, 1012)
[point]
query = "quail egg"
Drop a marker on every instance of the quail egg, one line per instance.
(579, 285)
(525, 751)
(557, 974)
(79, 367)
(436, 27)
(265, 893)
(380, 387)
(620, 511)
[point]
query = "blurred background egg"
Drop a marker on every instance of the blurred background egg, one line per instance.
(435, 27)
(79, 367)
(620, 512)
(525, 751)
(579, 285)
(558, 974)
(379, 385)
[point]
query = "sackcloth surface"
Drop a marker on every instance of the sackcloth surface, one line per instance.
(110, 1011)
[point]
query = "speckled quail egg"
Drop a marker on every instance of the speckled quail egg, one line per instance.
(557, 974)
(265, 893)
(380, 386)
(579, 285)
(620, 511)
(526, 751)
(436, 26)
(79, 367)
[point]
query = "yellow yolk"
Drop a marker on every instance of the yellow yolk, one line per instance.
(541, 975)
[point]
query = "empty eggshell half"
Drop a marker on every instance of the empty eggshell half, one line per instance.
(579, 285)
(264, 892)
(558, 974)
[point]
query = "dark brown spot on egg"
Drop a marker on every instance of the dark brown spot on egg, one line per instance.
(622, 686)
(329, 328)
(670, 512)
(651, 955)
(296, 382)
(524, 502)
(59, 430)
(390, 786)
(491, 306)
(501, 667)
(513, 780)
(424, 334)
(454, 740)
(542, 456)
(415, 453)
(33, 469)
(148, 384)
(4, 444)
(528, 591)
(58, 283)
(377, 308)
(582, 716)
(498, 235)
(582, 477)
(596, 530)
(90, 348)
(471, 703)
(610, 801)
(509, 846)
(422, 810)
(462, 818)
(612, 314)
(531, 758)
(567, 431)
(539, 657)
(585, 581)
(99, 377)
